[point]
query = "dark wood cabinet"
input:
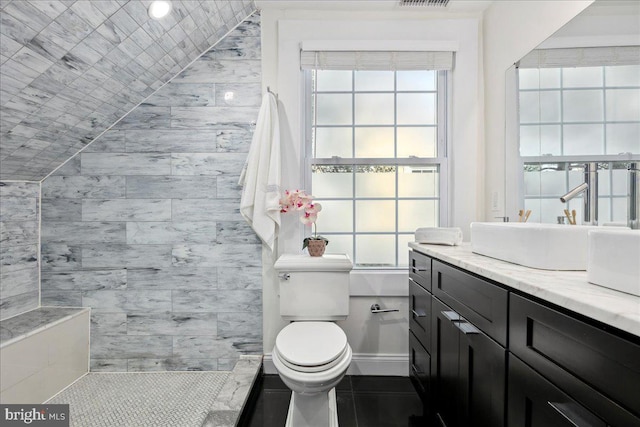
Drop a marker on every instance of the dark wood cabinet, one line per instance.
(483, 354)
(468, 372)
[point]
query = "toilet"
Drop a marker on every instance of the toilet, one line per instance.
(311, 353)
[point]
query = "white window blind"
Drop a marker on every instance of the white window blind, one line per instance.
(376, 61)
(581, 57)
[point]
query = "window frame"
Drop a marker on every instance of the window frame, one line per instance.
(443, 107)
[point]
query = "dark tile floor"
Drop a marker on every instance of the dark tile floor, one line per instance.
(363, 401)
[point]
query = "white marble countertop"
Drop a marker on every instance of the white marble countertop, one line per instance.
(568, 289)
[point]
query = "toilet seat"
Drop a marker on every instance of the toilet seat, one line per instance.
(311, 346)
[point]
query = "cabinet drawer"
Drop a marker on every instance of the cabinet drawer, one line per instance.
(420, 269)
(420, 313)
(419, 368)
(536, 402)
(480, 302)
(559, 347)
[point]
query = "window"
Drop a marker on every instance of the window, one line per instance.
(575, 106)
(376, 157)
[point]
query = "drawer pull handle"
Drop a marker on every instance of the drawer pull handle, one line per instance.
(419, 314)
(467, 328)
(576, 415)
(451, 315)
(415, 370)
(415, 270)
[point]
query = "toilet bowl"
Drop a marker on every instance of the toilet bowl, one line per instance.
(312, 354)
(311, 359)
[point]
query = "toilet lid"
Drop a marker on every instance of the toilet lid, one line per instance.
(309, 344)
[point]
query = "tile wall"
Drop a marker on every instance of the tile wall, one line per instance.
(72, 68)
(144, 226)
(19, 264)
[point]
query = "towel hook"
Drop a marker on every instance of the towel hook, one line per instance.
(272, 93)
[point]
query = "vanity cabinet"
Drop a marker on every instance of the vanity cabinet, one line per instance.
(468, 366)
(420, 327)
(484, 354)
(597, 369)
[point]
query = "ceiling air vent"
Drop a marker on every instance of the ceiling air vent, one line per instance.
(437, 3)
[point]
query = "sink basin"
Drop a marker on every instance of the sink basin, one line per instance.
(542, 246)
(614, 260)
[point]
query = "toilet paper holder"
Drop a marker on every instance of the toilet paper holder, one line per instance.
(375, 308)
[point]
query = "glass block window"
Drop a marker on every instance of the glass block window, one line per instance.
(579, 111)
(377, 159)
(572, 115)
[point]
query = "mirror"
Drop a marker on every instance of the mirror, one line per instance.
(571, 102)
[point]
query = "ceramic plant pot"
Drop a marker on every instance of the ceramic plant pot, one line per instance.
(317, 247)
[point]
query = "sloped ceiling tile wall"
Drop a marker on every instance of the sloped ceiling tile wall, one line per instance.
(70, 69)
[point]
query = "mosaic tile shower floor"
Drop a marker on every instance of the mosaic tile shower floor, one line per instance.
(171, 399)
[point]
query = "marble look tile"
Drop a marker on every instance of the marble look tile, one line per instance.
(19, 189)
(146, 117)
(205, 210)
(108, 365)
(171, 278)
(227, 187)
(183, 95)
(221, 71)
(18, 233)
(88, 280)
(211, 117)
(16, 282)
(18, 304)
(171, 187)
(150, 233)
(200, 255)
(171, 323)
(207, 163)
(18, 257)
(237, 47)
(18, 209)
(227, 364)
(125, 164)
(60, 256)
(69, 168)
(235, 391)
(125, 301)
(61, 298)
(203, 346)
(110, 142)
(172, 364)
(235, 232)
(125, 347)
(129, 256)
(34, 321)
(84, 187)
(243, 95)
(244, 278)
(246, 326)
(61, 209)
(221, 418)
(126, 210)
(219, 301)
(83, 232)
(109, 323)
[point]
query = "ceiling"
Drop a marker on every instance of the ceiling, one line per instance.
(70, 69)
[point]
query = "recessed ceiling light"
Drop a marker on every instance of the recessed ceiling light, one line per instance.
(159, 9)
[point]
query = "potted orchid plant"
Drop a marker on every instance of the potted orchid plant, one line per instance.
(300, 201)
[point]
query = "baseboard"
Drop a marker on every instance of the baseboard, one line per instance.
(364, 364)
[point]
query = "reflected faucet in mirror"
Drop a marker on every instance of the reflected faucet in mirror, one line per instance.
(590, 198)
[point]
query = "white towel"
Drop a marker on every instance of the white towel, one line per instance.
(260, 177)
(439, 235)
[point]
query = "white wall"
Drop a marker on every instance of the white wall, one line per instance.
(510, 30)
(374, 338)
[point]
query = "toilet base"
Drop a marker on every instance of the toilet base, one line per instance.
(313, 410)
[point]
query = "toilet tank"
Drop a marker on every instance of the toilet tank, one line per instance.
(314, 288)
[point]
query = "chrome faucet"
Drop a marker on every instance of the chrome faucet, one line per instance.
(590, 198)
(633, 199)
